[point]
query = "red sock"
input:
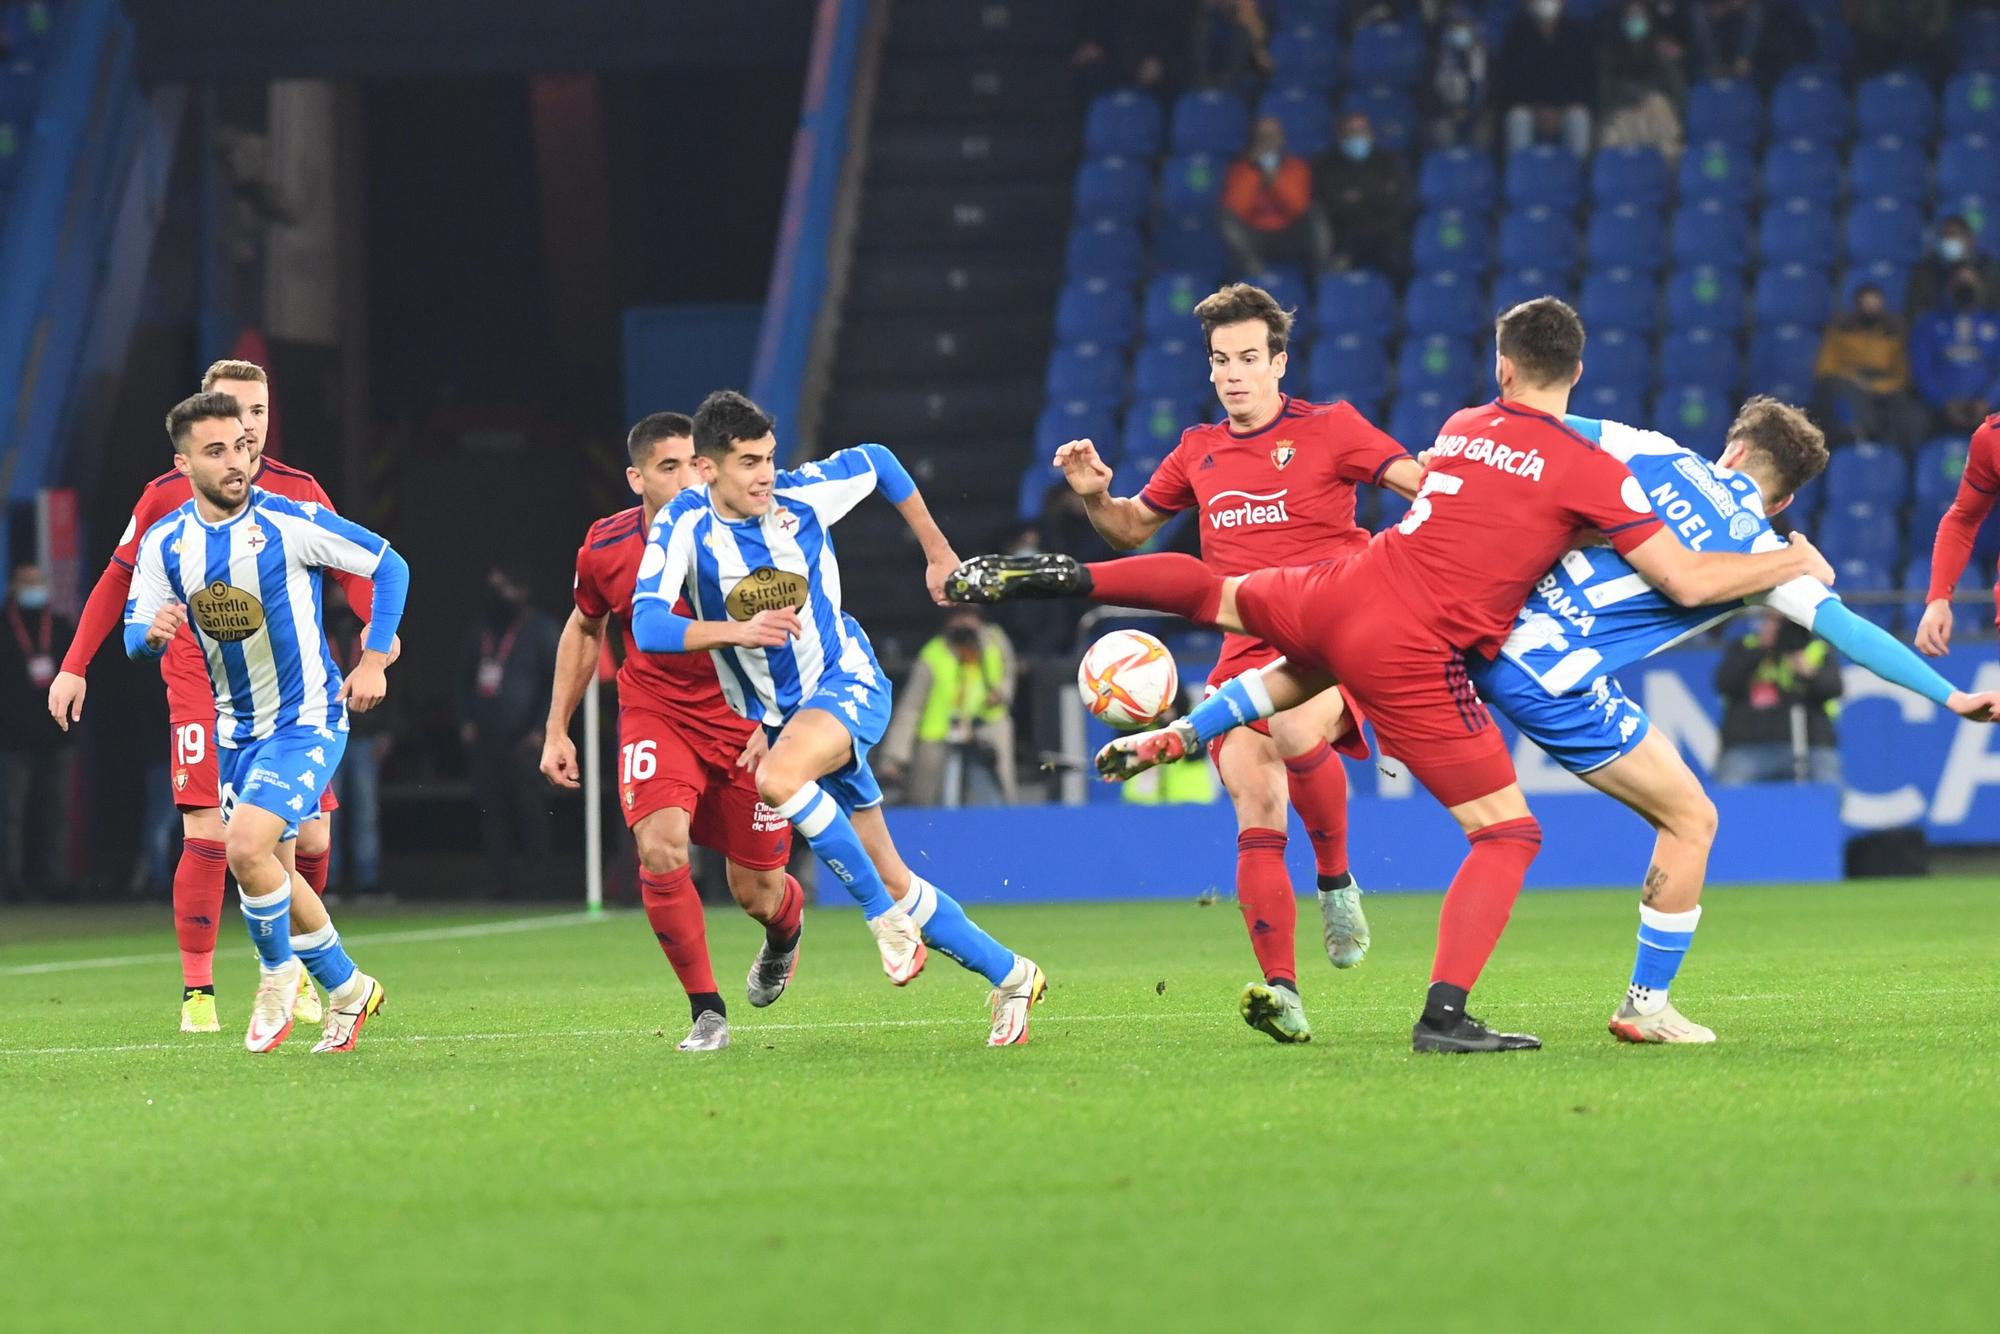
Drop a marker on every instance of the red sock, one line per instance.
(1481, 895)
(200, 882)
(312, 869)
(674, 909)
(783, 928)
(1264, 889)
(1318, 783)
(1165, 581)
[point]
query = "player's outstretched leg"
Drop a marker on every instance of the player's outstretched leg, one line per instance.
(989, 579)
(1164, 581)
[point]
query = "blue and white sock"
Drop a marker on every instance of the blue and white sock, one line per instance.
(269, 917)
(1664, 938)
(323, 957)
(950, 932)
(830, 834)
(1238, 701)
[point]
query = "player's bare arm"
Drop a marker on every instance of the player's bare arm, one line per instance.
(939, 559)
(1697, 578)
(1405, 477)
(1123, 521)
(578, 652)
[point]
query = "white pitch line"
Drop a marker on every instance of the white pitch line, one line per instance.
(468, 931)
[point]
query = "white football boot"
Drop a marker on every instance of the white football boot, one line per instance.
(1664, 1025)
(1011, 1001)
(271, 1012)
(902, 946)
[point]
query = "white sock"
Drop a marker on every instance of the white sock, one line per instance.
(353, 989)
(1645, 1000)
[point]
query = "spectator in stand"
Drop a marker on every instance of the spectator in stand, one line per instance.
(1640, 89)
(509, 655)
(1863, 373)
(1268, 213)
(1455, 99)
(35, 758)
(1954, 245)
(1122, 44)
(1232, 45)
(1726, 33)
(1955, 353)
(1545, 78)
(1365, 192)
(1892, 33)
(956, 706)
(1780, 689)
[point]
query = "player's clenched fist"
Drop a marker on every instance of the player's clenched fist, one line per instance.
(770, 629)
(167, 623)
(368, 683)
(1086, 473)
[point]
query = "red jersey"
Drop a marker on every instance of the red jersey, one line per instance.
(190, 695)
(1978, 487)
(1507, 491)
(681, 685)
(1280, 495)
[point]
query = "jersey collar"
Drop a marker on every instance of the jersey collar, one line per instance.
(1284, 410)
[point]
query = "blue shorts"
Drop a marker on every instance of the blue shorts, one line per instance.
(862, 703)
(1584, 729)
(284, 773)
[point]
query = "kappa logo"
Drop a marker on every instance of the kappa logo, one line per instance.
(1627, 727)
(317, 755)
(309, 778)
(296, 804)
(847, 707)
(1283, 454)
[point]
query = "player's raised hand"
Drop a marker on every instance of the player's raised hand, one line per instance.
(66, 699)
(1086, 473)
(770, 629)
(1933, 632)
(167, 623)
(1983, 707)
(559, 764)
(1816, 564)
(367, 684)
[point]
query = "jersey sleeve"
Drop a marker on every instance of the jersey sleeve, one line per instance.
(832, 486)
(150, 591)
(321, 538)
(1169, 491)
(1797, 600)
(152, 508)
(1978, 488)
(669, 559)
(587, 592)
(360, 591)
(1603, 494)
(1362, 450)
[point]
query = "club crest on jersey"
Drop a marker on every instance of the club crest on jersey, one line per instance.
(253, 537)
(787, 521)
(631, 796)
(226, 613)
(1742, 526)
(1283, 454)
(765, 589)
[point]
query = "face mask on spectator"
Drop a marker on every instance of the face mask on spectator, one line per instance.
(1548, 11)
(1637, 26)
(1356, 146)
(1953, 249)
(34, 597)
(1269, 161)
(1461, 36)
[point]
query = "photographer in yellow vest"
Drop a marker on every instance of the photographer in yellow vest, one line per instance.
(951, 738)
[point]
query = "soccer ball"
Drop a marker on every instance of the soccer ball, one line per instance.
(1128, 679)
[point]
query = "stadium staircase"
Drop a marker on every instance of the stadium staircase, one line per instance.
(944, 330)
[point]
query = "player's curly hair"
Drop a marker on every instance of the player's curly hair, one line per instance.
(1543, 338)
(652, 428)
(182, 417)
(1793, 448)
(1238, 302)
(725, 417)
(248, 371)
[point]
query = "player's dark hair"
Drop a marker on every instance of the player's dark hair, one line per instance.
(1238, 302)
(182, 417)
(1543, 338)
(1793, 450)
(725, 417)
(654, 427)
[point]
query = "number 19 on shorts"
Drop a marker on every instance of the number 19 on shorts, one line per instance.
(190, 744)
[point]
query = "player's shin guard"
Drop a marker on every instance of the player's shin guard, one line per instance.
(1481, 896)
(1318, 784)
(1664, 938)
(320, 951)
(1270, 909)
(1165, 581)
(312, 870)
(950, 932)
(269, 917)
(673, 910)
(830, 834)
(200, 883)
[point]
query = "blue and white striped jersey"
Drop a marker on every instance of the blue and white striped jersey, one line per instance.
(1594, 614)
(251, 586)
(733, 569)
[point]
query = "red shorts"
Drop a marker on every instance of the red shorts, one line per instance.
(1344, 616)
(1243, 653)
(661, 765)
(196, 779)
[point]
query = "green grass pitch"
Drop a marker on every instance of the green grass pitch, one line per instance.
(516, 1145)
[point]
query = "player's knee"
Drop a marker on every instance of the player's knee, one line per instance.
(1696, 819)
(1260, 807)
(778, 782)
(246, 853)
(661, 853)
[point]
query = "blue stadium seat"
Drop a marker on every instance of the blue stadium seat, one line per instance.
(1544, 175)
(1626, 236)
(1792, 294)
(1893, 279)
(1726, 109)
(1619, 299)
(1705, 297)
(1175, 368)
(1125, 123)
(1456, 178)
(1443, 302)
(1389, 110)
(1807, 104)
(1095, 310)
(1153, 427)
(1618, 357)
(1628, 175)
(1968, 164)
(1168, 308)
(1897, 103)
(1939, 465)
(1307, 116)
(1859, 530)
(1105, 249)
(1866, 573)
(1288, 286)
(1888, 166)
(1875, 474)
(1514, 286)
(1414, 424)
(1210, 121)
(1357, 301)
(1193, 242)
(1884, 228)
(1717, 170)
(1350, 366)
(1797, 231)
(1319, 13)
(1305, 56)
(1090, 372)
(27, 30)
(1711, 232)
(1608, 402)
(1391, 52)
(1700, 357)
(1117, 188)
(1450, 240)
(1694, 415)
(1067, 420)
(1538, 238)
(1972, 104)
(1191, 185)
(1802, 169)
(1440, 364)
(1781, 361)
